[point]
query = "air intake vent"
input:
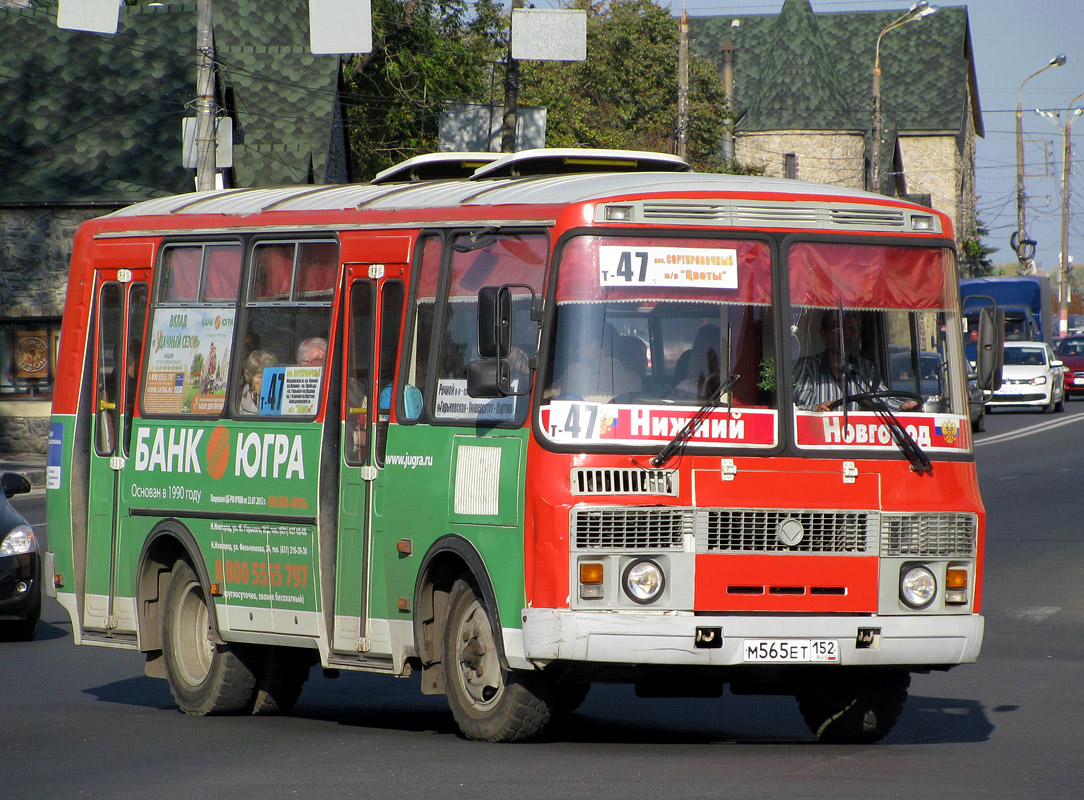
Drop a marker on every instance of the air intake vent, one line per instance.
(776, 216)
(760, 531)
(630, 528)
(866, 219)
(624, 481)
(929, 535)
(685, 211)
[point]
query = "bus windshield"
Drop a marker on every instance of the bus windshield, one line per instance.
(648, 329)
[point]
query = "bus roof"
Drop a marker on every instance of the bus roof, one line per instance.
(663, 194)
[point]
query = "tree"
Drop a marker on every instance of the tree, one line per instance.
(625, 94)
(975, 255)
(425, 52)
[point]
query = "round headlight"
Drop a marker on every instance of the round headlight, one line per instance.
(18, 541)
(917, 587)
(643, 581)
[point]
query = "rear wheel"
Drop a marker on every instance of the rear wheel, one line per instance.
(488, 702)
(979, 424)
(853, 706)
(204, 677)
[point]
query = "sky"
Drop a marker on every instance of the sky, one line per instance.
(1011, 39)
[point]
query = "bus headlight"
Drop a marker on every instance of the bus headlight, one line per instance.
(917, 586)
(643, 581)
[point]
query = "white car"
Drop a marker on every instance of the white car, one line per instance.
(1032, 377)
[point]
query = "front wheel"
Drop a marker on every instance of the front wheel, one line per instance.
(204, 677)
(852, 706)
(488, 702)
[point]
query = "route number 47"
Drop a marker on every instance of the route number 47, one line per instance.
(581, 422)
(628, 269)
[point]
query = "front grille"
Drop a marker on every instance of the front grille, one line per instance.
(929, 535)
(798, 531)
(761, 531)
(620, 480)
(630, 528)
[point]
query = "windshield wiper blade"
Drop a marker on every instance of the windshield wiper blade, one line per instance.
(683, 436)
(920, 462)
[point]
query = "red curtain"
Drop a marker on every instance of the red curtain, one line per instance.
(578, 278)
(869, 276)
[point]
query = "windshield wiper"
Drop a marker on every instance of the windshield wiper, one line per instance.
(920, 462)
(686, 432)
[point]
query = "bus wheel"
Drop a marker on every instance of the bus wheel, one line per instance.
(204, 677)
(570, 696)
(488, 702)
(280, 676)
(853, 706)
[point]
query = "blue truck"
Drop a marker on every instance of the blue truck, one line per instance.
(1025, 299)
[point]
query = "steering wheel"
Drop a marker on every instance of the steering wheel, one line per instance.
(863, 398)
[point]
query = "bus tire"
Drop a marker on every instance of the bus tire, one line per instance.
(853, 706)
(204, 677)
(570, 696)
(280, 676)
(488, 702)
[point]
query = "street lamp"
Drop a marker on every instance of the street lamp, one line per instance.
(917, 11)
(1020, 243)
(1064, 272)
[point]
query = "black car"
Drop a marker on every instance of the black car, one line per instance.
(20, 566)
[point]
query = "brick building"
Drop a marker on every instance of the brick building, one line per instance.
(802, 89)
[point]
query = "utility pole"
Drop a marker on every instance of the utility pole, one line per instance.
(683, 84)
(1024, 247)
(205, 98)
(511, 95)
(1067, 159)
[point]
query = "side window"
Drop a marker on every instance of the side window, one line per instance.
(192, 330)
(287, 321)
(110, 371)
(359, 381)
(518, 258)
(391, 323)
(414, 393)
(133, 357)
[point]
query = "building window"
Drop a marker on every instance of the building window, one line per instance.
(28, 358)
(790, 165)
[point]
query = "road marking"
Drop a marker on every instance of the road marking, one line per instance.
(1031, 429)
(1033, 614)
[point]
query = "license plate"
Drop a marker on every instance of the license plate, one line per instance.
(790, 651)
(1078, 381)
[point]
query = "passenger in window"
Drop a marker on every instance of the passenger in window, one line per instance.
(312, 352)
(701, 379)
(253, 375)
(819, 379)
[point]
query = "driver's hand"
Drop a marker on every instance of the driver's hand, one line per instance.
(821, 408)
(910, 405)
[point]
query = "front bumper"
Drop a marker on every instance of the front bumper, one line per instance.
(24, 568)
(671, 639)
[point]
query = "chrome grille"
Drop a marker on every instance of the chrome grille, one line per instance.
(756, 530)
(620, 480)
(867, 218)
(630, 528)
(927, 535)
(686, 211)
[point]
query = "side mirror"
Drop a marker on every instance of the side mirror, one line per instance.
(14, 483)
(990, 355)
(494, 321)
(489, 378)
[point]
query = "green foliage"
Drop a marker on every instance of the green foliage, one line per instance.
(974, 255)
(625, 94)
(425, 52)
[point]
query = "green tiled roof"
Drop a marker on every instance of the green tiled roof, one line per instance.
(798, 70)
(97, 118)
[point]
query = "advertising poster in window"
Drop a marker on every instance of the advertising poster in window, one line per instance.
(188, 361)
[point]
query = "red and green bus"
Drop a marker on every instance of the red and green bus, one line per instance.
(521, 425)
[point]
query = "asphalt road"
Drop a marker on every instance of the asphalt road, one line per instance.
(85, 722)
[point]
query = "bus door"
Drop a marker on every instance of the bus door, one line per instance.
(121, 299)
(373, 328)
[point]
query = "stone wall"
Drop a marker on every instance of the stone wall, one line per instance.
(35, 251)
(838, 159)
(933, 165)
